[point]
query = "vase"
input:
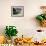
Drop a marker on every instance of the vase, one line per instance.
(13, 38)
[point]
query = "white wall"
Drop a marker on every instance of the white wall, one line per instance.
(26, 25)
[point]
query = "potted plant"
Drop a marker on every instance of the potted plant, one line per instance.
(10, 31)
(42, 17)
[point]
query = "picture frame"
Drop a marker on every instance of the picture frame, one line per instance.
(17, 11)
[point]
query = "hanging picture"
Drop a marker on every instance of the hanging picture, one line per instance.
(17, 11)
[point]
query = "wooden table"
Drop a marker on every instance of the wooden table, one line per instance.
(25, 44)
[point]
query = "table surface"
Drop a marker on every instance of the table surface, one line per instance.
(30, 45)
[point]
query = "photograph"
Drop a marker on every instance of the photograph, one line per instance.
(17, 11)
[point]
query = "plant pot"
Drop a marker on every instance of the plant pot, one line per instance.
(43, 23)
(13, 38)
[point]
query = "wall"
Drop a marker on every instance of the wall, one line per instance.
(26, 25)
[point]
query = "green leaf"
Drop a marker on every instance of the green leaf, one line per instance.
(10, 31)
(45, 16)
(40, 18)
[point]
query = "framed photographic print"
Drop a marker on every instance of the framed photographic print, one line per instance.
(17, 11)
